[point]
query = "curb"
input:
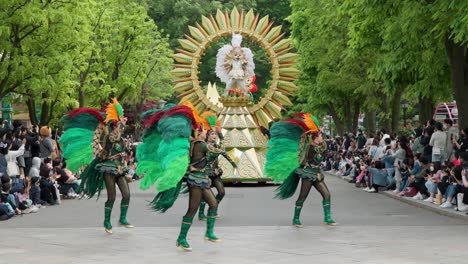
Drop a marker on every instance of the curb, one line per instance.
(428, 206)
(419, 204)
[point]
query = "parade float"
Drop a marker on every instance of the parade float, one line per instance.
(241, 117)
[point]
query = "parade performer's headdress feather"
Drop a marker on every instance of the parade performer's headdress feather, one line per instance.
(196, 115)
(210, 121)
(114, 111)
(310, 121)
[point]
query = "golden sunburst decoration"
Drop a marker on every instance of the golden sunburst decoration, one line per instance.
(249, 25)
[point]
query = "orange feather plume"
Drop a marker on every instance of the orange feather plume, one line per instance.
(195, 113)
(112, 111)
(310, 123)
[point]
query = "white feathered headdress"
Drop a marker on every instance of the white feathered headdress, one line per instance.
(221, 59)
(236, 40)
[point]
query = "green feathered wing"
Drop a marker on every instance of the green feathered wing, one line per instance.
(283, 147)
(163, 157)
(173, 150)
(80, 125)
(148, 162)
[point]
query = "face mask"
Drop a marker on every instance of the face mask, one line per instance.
(445, 126)
(431, 168)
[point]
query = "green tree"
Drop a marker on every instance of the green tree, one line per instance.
(121, 54)
(451, 28)
(37, 50)
(174, 16)
(410, 62)
(64, 54)
(333, 80)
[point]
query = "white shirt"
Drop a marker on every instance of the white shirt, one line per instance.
(438, 140)
(382, 141)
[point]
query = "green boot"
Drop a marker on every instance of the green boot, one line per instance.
(297, 213)
(107, 216)
(123, 214)
(201, 212)
(182, 239)
(327, 215)
(210, 222)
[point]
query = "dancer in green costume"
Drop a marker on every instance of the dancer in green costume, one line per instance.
(92, 141)
(295, 152)
(214, 143)
(164, 156)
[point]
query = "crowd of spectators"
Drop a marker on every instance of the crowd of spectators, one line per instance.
(431, 164)
(33, 173)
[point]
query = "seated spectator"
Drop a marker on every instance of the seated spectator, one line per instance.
(67, 182)
(49, 192)
(463, 206)
(360, 179)
(418, 180)
(433, 178)
(19, 207)
(453, 183)
(35, 193)
(6, 212)
(405, 170)
(378, 177)
(389, 161)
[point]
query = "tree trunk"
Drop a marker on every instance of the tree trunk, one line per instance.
(426, 109)
(396, 110)
(355, 121)
(457, 54)
(81, 97)
(32, 111)
(369, 121)
(340, 126)
(385, 120)
(44, 110)
(348, 118)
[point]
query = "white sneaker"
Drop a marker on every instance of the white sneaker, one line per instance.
(418, 197)
(34, 209)
(366, 189)
(463, 208)
(372, 190)
(430, 200)
(396, 191)
(446, 205)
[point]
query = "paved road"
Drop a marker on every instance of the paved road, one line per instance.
(255, 228)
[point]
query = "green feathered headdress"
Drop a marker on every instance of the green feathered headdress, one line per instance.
(210, 121)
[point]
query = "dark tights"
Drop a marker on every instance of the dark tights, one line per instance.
(121, 181)
(195, 196)
(219, 185)
(307, 184)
